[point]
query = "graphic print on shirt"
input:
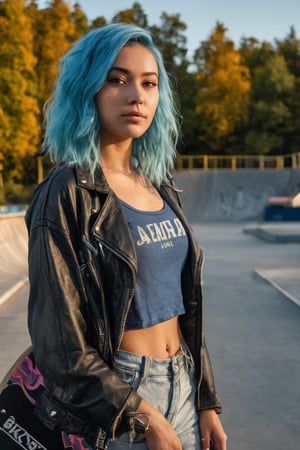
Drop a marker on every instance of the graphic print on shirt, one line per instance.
(162, 232)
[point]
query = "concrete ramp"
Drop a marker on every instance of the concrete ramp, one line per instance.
(233, 196)
(212, 196)
(13, 252)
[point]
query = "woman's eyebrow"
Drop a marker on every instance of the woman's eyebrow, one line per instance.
(127, 72)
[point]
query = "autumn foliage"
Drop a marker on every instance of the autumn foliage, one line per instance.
(233, 100)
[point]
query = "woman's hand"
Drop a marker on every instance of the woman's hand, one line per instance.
(213, 436)
(160, 435)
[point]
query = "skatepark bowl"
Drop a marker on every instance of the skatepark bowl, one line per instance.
(251, 291)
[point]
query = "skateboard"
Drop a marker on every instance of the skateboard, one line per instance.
(20, 428)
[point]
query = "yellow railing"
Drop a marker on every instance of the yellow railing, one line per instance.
(234, 162)
(211, 162)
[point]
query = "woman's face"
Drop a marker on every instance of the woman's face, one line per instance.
(128, 101)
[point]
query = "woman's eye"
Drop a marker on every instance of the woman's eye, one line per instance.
(150, 84)
(116, 80)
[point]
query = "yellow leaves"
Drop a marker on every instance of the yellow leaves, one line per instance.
(19, 113)
(55, 34)
(32, 41)
(4, 126)
(126, 16)
(224, 89)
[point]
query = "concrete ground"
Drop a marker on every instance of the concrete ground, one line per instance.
(14, 336)
(253, 335)
(13, 252)
(252, 331)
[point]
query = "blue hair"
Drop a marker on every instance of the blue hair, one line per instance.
(71, 116)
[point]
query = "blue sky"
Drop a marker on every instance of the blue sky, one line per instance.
(263, 19)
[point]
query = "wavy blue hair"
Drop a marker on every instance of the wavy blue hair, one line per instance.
(71, 116)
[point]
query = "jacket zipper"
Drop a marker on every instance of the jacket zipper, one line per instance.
(102, 330)
(102, 244)
(99, 329)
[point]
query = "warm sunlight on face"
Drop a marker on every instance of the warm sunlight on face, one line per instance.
(128, 101)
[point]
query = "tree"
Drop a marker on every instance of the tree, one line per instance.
(255, 53)
(170, 38)
(19, 135)
(98, 22)
(80, 20)
(54, 33)
(134, 15)
(223, 90)
(187, 91)
(289, 48)
(271, 119)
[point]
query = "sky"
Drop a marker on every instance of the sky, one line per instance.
(262, 19)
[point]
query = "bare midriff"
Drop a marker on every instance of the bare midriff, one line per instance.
(159, 341)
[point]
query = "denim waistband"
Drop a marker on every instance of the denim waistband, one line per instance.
(146, 365)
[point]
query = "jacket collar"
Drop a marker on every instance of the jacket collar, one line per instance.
(98, 181)
(94, 182)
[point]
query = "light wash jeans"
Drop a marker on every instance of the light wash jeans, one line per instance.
(168, 384)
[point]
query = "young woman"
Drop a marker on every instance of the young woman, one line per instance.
(115, 308)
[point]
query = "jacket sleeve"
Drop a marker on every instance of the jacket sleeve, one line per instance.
(191, 326)
(75, 375)
(208, 398)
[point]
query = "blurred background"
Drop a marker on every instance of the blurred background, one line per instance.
(237, 68)
(237, 71)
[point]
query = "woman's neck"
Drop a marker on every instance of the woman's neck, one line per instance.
(117, 159)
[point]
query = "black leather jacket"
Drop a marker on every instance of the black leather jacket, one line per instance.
(82, 270)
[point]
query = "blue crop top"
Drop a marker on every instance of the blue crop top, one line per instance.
(161, 247)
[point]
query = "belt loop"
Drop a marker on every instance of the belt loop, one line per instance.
(146, 363)
(186, 354)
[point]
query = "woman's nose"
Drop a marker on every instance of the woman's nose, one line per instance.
(136, 101)
(135, 95)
